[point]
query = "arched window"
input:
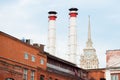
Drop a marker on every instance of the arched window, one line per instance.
(102, 79)
(42, 77)
(92, 78)
(9, 79)
(50, 78)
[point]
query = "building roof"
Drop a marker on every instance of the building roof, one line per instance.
(96, 69)
(59, 59)
(62, 60)
(112, 50)
(16, 39)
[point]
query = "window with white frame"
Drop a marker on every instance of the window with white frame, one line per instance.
(32, 75)
(33, 58)
(26, 55)
(114, 77)
(25, 71)
(42, 61)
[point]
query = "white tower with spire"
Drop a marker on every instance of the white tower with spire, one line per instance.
(72, 35)
(89, 60)
(52, 32)
(89, 42)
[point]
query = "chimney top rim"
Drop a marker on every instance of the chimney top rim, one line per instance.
(52, 12)
(73, 9)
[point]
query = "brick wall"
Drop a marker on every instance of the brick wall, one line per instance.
(96, 74)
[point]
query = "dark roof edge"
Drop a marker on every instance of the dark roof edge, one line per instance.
(59, 59)
(113, 50)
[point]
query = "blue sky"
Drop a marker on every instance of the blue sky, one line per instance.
(29, 19)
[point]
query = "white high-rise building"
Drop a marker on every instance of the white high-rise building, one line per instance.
(89, 60)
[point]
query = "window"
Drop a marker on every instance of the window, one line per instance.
(50, 78)
(102, 79)
(114, 77)
(32, 75)
(41, 77)
(42, 61)
(26, 55)
(33, 58)
(25, 74)
(92, 78)
(9, 79)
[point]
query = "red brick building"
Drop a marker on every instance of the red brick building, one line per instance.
(96, 74)
(113, 64)
(20, 60)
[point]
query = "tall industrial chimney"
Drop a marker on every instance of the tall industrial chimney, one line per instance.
(73, 35)
(52, 32)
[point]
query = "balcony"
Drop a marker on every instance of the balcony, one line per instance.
(60, 69)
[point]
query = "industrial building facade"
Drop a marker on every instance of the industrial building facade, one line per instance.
(20, 60)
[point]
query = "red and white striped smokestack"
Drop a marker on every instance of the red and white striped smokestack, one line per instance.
(73, 35)
(52, 32)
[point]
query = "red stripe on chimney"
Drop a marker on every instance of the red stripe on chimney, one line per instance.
(73, 14)
(52, 17)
